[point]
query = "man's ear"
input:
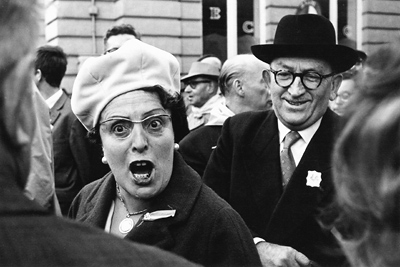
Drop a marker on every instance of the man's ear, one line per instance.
(336, 82)
(237, 86)
(38, 76)
(212, 88)
(266, 77)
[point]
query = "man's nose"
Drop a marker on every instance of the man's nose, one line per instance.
(188, 89)
(297, 87)
(338, 99)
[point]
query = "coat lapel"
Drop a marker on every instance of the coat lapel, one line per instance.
(180, 194)
(262, 168)
(97, 209)
(300, 201)
(55, 111)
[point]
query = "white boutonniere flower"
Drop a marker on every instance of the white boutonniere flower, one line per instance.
(159, 214)
(313, 179)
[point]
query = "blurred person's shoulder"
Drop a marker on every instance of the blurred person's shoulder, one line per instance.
(54, 241)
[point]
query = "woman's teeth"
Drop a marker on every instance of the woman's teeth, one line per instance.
(141, 170)
(141, 175)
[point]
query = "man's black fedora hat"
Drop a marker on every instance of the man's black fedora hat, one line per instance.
(310, 36)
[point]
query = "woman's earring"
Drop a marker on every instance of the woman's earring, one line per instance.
(104, 160)
(176, 146)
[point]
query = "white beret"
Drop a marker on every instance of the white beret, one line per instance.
(133, 66)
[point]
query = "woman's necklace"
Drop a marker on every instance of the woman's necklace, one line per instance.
(126, 225)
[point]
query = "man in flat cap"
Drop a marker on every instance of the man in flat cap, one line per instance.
(201, 89)
(273, 167)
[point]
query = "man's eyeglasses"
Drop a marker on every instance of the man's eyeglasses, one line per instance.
(193, 84)
(310, 79)
(121, 128)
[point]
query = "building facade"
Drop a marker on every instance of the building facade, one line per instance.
(191, 28)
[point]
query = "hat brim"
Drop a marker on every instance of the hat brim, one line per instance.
(340, 57)
(185, 78)
(362, 55)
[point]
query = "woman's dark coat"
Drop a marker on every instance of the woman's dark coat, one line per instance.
(205, 229)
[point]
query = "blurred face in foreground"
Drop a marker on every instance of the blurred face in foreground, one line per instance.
(138, 142)
(18, 116)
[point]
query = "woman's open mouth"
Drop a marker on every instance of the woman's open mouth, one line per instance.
(141, 171)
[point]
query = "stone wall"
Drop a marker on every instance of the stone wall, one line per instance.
(381, 23)
(176, 25)
(78, 26)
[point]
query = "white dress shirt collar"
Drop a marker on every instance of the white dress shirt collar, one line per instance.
(51, 101)
(305, 134)
(300, 146)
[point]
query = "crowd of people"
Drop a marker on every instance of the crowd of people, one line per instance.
(284, 157)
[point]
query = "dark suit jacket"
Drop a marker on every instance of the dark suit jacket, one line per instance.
(205, 229)
(245, 170)
(77, 162)
(196, 147)
(30, 236)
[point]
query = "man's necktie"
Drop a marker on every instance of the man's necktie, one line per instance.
(287, 162)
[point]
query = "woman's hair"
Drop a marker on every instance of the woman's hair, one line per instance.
(173, 103)
(366, 165)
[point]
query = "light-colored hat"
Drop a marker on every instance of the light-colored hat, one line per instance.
(200, 68)
(133, 66)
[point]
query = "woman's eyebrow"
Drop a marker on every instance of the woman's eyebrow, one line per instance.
(153, 112)
(144, 115)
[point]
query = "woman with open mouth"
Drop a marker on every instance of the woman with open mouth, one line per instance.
(129, 101)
